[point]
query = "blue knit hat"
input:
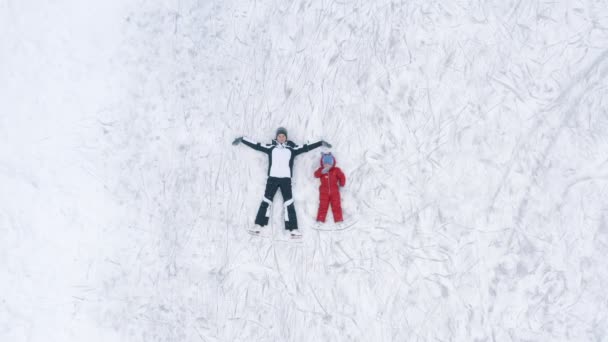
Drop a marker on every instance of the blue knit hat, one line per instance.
(328, 159)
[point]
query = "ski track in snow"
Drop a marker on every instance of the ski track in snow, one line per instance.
(473, 135)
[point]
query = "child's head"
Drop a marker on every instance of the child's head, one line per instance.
(327, 159)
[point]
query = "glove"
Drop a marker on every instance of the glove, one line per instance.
(325, 170)
(237, 141)
(325, 143)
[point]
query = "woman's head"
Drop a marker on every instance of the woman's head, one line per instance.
(281, 135)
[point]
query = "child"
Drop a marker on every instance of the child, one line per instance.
(281, 154)
(331, 176)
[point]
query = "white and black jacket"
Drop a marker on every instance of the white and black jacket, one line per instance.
(281, 156)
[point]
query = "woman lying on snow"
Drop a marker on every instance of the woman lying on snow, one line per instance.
(281, 154)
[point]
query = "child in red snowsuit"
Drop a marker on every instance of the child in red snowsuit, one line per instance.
(329, 193)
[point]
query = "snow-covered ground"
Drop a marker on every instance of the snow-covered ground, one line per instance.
(473, 135)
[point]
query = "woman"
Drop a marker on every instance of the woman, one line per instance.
(281, 154)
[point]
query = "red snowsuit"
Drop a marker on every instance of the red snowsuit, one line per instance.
(329, 191)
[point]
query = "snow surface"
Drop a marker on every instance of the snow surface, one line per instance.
(473, 135)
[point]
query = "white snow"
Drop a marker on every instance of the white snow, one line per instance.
(473, 135)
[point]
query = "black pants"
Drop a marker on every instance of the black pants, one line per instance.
(272, 185)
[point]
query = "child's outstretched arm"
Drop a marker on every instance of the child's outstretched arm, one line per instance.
(254, 145)
(309, 147)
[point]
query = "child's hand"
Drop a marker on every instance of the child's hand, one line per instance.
(325, 170)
